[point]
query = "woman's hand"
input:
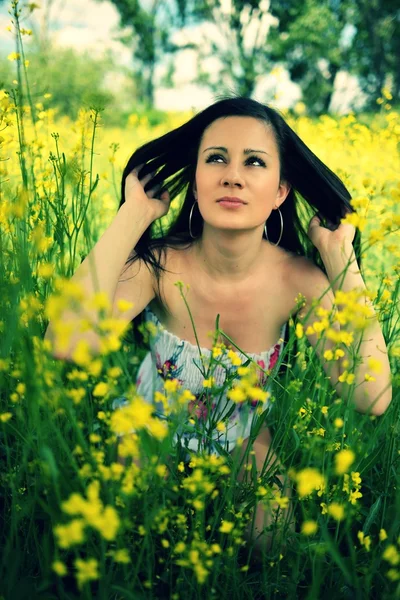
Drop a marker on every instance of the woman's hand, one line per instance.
(328, 240)
(137, 199)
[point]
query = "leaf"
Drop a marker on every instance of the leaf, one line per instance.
(373, 513)
(296, 437)
(48, 457)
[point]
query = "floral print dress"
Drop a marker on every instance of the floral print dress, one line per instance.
(171, 358)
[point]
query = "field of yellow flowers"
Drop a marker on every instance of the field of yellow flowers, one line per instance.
(75, 521)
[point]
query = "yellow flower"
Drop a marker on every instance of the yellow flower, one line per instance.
(393, 575)
(216, 351)
(308, 480)
(368, 377)
(99, 301)
(336, 511)
(324, 508)
(354, 496)
(347, 377)
(324, 410)
(45, 270)
(236, 394)
(86, 570)
(124, 305)
(391, 555)
(309, 527)
(114, 372)
(338, 422)
(282, 501)
(76, 394)
(59, 568)
(243, 371)
(374, 365)
(221, 426)
(74, 505)
(101, 389)
(234, 358)
(108, 524)
(256, 393)
(328, 355)
(138, 413)
(21, 388)
(186, 396)
(171, 385)
(226, 526)
(343, 461)
(81, 355)
(382, 535)
(208, 383)
(122, 556)
(4, 417)
(180, 547)
(68, 535)
(365, 540)
(158, 429)
(299, 330)
(356, 220)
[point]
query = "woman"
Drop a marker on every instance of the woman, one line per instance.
(238, 242)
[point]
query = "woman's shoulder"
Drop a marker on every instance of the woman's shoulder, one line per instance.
(283, 259)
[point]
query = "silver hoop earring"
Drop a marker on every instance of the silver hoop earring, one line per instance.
(190, 221)
(265, 228)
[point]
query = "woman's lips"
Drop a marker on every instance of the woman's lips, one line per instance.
(230, 203)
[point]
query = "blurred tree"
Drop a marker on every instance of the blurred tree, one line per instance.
(313, 39)
(374, 55)
(74, 80)
(149, 38)
(242, 27)
(316, 39)
(308, 41)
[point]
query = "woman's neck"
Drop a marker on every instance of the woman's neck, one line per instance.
(230, 255)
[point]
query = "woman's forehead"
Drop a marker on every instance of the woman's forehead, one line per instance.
(254, 134)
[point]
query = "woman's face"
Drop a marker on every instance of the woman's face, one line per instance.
(254, 176)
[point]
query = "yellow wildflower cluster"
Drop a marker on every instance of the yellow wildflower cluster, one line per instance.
(355, 219)
(354, 308)
(200, 486)
(308, 480)
(30, 307)
(343, 461)
(71, 297)
(197, 556)
(365, 540)
(352, 488)
(391, 555)
(317, 327)
(137, 415)
(90, 512)
(4, 417)
(309, 527)
(86, 570)
(334, 510)
(246, 387)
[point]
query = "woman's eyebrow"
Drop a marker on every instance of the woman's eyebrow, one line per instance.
(246, 151)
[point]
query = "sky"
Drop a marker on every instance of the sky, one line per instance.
(93, 25)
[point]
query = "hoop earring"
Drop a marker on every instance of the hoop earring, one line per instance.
(190, 221)
(265, 228)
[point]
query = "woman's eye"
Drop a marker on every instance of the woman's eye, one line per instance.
(251, 158)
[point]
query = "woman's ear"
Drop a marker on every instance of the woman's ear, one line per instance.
(283, 191)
